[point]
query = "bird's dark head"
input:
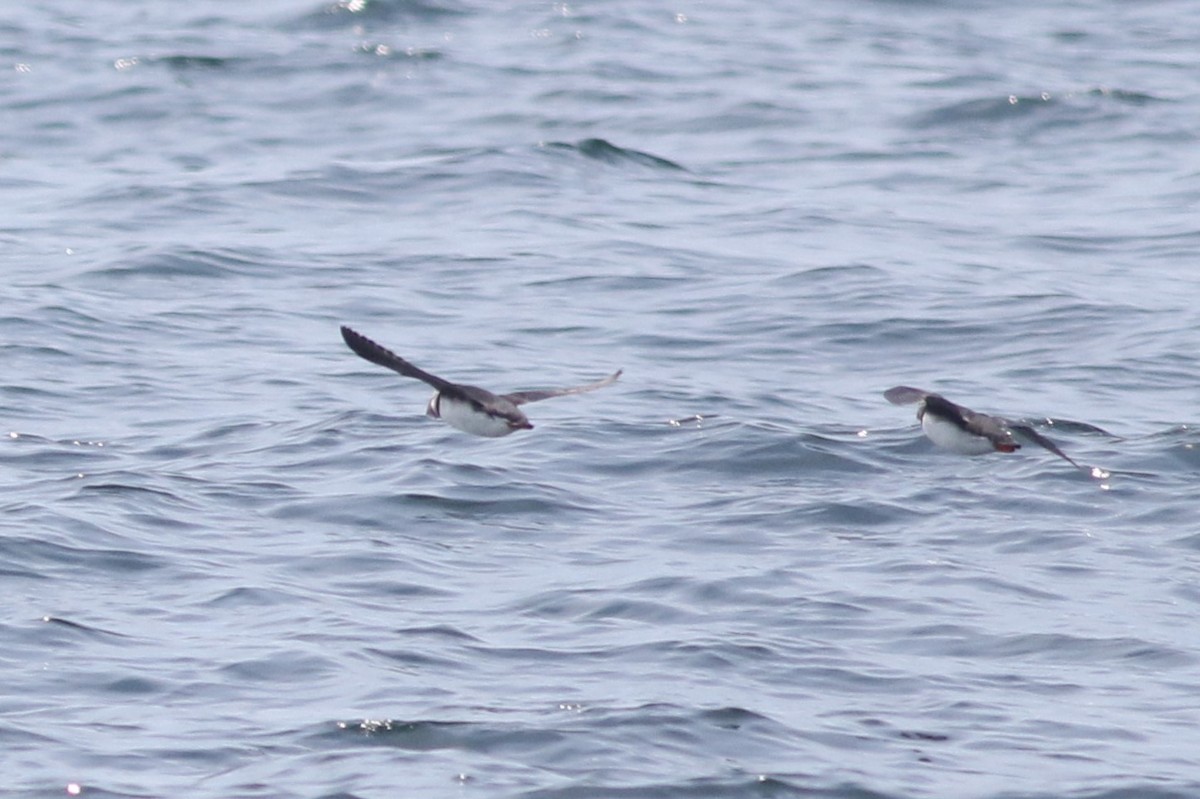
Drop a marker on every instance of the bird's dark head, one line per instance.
(939, 406)
(515, 418)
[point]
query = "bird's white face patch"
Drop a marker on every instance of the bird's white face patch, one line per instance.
(950, 436)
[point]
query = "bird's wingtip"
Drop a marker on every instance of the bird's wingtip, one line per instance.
(904, 395)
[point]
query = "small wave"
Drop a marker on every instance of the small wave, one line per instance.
(444, 632)
(382, 50)
(492, 504)
(187, 63)
(411, 660)
(129, 489)
(52, 555)
(949, 640)
(358, 12)
(87, 630)
(425, 735)
(251, 597)
(282, 667)
(1044, 109)
(483, 507)
(591, 605)
(185, 263)
(609, 153)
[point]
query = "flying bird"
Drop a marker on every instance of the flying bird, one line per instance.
(965, 431)
(469, 408)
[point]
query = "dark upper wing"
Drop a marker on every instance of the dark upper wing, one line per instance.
(1042, 441)
(905, 395)
(378, 354)
(981, 424)
(520, 397)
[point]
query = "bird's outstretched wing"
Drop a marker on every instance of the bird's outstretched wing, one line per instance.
(521, 397)
(381, 355)
(905, 395)
(1039, 439)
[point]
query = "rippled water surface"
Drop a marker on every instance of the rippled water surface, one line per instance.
(240, 562)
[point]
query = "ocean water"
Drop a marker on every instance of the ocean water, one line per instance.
(239, 561)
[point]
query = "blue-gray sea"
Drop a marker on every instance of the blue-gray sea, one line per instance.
(240, 562)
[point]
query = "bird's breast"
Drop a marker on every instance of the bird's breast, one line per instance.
(470, 419)
(948, 435)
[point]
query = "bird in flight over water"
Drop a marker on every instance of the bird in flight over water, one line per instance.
(469, 408)
(965, 431)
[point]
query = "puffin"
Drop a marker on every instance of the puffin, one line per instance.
(967, 432)
(471, 409)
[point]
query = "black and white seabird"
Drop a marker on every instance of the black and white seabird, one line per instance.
(469, 408)
(965, 431)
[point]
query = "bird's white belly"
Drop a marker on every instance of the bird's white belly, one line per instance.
(952, 437)
(470, 419)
